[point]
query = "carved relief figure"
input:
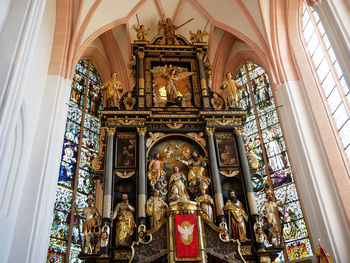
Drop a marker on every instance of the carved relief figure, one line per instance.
(206, 202)
(125, 222)
(177, 186)
(231, 88)
(90, 226)
(114, 90)
(237, 217)
(155, 208)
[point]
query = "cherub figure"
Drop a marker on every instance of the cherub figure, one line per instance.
(141, 32)
(198, 37)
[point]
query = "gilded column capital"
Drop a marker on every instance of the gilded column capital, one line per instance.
(141, 54)
(210, 131)
(142, 131)
(200, 55)
(110, 131)
(238, 130)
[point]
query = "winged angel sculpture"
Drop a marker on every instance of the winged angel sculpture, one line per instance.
(171, 86)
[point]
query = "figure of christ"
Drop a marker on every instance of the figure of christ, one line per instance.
(177, 186)
(155, 170)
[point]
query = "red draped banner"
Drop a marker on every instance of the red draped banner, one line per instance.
(186, 236)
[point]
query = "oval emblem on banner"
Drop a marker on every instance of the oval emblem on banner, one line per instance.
(186, 231)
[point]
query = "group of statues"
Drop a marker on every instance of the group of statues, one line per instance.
(166, 28)
(96, 238)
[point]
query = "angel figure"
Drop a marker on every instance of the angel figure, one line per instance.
(198, 37)
(141, 32)
(175, 82)
(152, 137)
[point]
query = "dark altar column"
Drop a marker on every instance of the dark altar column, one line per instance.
(219, 200)
(108, 186)
(141, 78)
(246, 173)
(142, 181)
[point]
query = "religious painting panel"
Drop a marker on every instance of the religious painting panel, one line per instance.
(126, 150)
(226, 149)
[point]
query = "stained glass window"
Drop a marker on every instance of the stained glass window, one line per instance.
(331, 77)
(265, 140)
(84, 106)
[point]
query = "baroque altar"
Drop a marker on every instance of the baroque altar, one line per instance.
(176, 177)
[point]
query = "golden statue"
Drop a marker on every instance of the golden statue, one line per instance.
(197, 172)
(141, 32)
(206, 202)
(125, 222)
(156, 208)
(268, 213)
(114, 90)
(232, 88)
(177, 186)
(176, 82)
(168, 29)
(198, 37)
(155, 170)
(237, 217)
(91, 225)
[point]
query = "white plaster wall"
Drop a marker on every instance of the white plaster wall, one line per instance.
(314, 179)
(5, 5)
(31, 155)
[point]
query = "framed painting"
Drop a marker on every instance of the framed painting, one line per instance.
(126, 150)
(226, 149)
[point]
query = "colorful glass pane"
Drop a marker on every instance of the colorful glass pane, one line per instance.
(68, 170)
(273, 157)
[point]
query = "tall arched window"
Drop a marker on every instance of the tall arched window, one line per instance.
(76, 178)
(265, 140)
(334, 88)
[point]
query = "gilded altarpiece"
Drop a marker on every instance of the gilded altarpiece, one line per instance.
(175, 173)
